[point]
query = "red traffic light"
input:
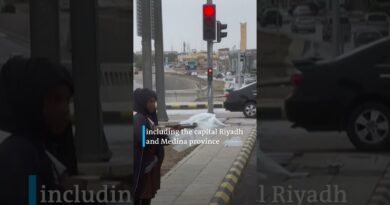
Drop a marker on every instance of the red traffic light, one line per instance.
(209, 10)
(209, 71)
(209, 23)
(210, 74)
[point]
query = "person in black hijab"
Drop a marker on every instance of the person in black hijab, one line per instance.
(148, 159)
(34, 108)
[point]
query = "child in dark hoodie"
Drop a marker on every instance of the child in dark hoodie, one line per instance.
(34, 108)
(148, 159)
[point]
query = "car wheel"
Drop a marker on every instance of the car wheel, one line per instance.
(250, 110)
(368, 127)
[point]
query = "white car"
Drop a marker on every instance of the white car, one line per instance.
(379, 21)
(302, 10)
(303, 23)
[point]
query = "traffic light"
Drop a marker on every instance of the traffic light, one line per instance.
(209, 22)
(220, 33)
(209, 74)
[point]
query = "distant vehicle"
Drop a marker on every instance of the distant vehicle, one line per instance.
(220, 76)
(306, 24)
(349, 93)
(302, 10)
(356, 16)
(271, 17)
(327, 30)
(286, 17)
(191, 67)
(242, 99)
(363, 37)
(378, 20)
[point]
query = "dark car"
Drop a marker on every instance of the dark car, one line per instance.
(243, 99)
(350, 93)
(366, 36)
(271, 17)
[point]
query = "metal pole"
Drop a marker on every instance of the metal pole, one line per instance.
(90, 140)
(146, 45)
(159, 50)
(44, 26)
(210, 92)
(210, 83)
(336, 31)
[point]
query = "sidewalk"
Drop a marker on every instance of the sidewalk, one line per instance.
(201, 172)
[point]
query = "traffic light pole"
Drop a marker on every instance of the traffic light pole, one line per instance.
(338, 40)
(146, 46)
(210, 91)
(159, 50)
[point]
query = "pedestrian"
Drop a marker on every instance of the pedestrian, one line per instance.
(34, 108)
(148, 159)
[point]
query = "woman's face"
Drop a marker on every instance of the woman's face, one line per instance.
(56, 109)
(151, 105)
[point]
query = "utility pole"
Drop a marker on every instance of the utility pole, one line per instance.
(159, 61)
(336, 28)
(44, 29)
(209, 34)
(91, 143)
(210, 89)
(146, 45)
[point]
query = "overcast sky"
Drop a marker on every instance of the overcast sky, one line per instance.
(182, 21)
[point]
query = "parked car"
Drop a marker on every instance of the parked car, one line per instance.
(349, 93)
(363, 37)
(306, 24)
(302, 10)
(327, 30)
(243, 99)
(378, 20)
(271, 16)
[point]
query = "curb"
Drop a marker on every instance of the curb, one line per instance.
(195, 105)
(226, 189)
(381, 194)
